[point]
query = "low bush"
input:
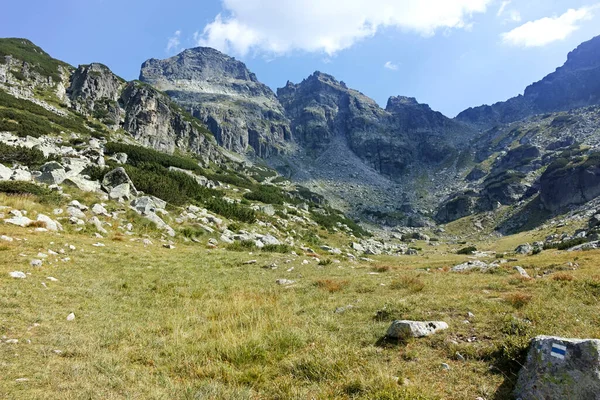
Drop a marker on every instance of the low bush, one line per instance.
(43, 194)
(22, 155)
(467, 250)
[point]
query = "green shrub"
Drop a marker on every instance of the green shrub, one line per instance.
(44, 194)
(268, 195)
(331, 219)
(22, 155)
(243, 245)
(137, 155)
(467, 250)
(24, 50)
(277, 248)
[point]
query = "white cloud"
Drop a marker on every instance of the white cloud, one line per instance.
(174, 42)
(514, 16)
(503, 7)
(547, 30)
(282, 26)
(391, 66)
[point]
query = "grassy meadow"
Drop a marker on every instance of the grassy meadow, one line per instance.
(199, 323)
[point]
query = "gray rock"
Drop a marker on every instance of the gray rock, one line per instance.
(471, 265)
(21, 175)
(148, 204)
(53, 173)
(36, 263)
(284, 282)
(226, 239)
(75, 212)
(51, 224)
(242, 113)
(85, 185)
(268, 209)
(78, 205)
(19, 221)
(524, 249)
(99, 209)
(522, 272)
(5, 173)
(407, 329)
(270, 240)
(98, 225)
(162, 225)
(120, 158)
(116, 178)
(121, 192)
(357, 247)
(17, 275)
(559, 368)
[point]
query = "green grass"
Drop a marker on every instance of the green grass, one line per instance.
(25, 50)
(191, 323)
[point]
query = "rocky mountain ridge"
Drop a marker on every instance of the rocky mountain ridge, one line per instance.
(575, 84)
(242, 113)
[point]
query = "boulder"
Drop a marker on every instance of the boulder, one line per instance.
(98, 225)
(17, 274)
(83, 184)
(524, 249)
(21, 175)
(560, 368)
(522, 272)
(51, 224)
(75, 212)
(5, 173)
(471, 265)
(406, 329)
(270, 240)
(53, 173)
(118, 177)
(19, 221)
(122, 191)
(147, 204)
(162, 225)
(99, 209)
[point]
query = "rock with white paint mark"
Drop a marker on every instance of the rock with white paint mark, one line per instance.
(17, 275)
(406, 329)
(560, 368)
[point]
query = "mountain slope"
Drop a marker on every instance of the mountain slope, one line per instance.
(575, 84)
(241, 112)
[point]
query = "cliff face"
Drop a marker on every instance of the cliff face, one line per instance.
(154, 121)
(575, 84)
(242, 113)
(389, 140)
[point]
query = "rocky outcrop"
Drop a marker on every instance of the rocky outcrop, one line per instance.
(575, 84)
(570, 182)
(322, 108)
(154, 121)
(242, 113)
(95, 91)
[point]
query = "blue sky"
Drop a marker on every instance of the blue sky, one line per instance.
(451, 54)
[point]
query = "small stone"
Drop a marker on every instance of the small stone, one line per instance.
(168, 246)
(71, 317)
(98, 245)
(17, 275)
(22, 380)
(522, 272)
(36, 263)
(52, 279)
(284, 282)
(249, 262)
(6, 238)
(405, 329)
(445, 366)
(11, 341)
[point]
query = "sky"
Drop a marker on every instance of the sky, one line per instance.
(450, 54)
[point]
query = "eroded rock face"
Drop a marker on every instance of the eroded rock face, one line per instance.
(559, 368)
(153, 120)
(95, 90)
(241, 112)
(391, 140)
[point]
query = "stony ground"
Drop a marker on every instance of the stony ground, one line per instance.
(198, 323)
